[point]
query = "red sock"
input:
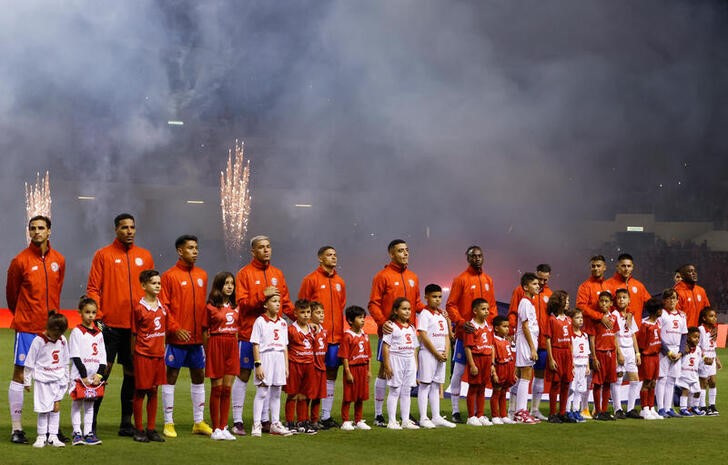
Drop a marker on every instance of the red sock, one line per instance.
(138, 404)
(651, 397)
(215, 406)
(315, 410)
(290, 410)
(503, 404)
(553, 394)
(597, 398)
(224, 406)
(345, 410)
(643, 398)
(302, 409)
(480, 401)
(151, 409)
(358, 411)
(605, 396)
(470, 400)
(563, 397)
(495, 403)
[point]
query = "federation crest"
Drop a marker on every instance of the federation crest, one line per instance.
(487, 286)
(412, 282)
(338, 287)
(200, 283)
(170, 357)
(699, 297)
(274, 281)
(545, 299)
(634, 289)
(138, 261)
(54, 267)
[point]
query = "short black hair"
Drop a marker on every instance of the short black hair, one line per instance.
(121, 217)
(606, 294)
(395, 243)
(652, 306)
(147, 275)
(669, 292)
(182, 240)
(315, 304)
(625, 256)
(301, 304)
(544, 268)
(527, 278)
(432, 288)
(621, 290)
(693, 330)
(470, 249)
(86, 300)
(40, 217)
(498, 320)
(323, 249)
(57, 322)
(354, 311)
(478, 302)
(598, 258)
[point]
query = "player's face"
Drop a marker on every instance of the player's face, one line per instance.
(598, 268)
(317, 315)
(670, 303)
(273, 305)
(502, 329)
(39, 232)
(532, 287)
(153, 286)
(689, 274)
(625, 268)
(481, 311)
(88, 314)
(711, 318)
(543, 278)
(577, 320)
(188, 252)
(126, 231)
(622, 300)
(404, 311)
(228, 287)
(53, 334)
(328, 259)
(693, 339)
(262, 250)
(303, 315)
(476, 258)
(605, 304)
(357, 323)
(400, 254)
(434, 299)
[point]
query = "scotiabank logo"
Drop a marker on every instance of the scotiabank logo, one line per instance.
(157, 323)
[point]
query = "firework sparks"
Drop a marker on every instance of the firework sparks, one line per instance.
(235, 200)
(37, 199)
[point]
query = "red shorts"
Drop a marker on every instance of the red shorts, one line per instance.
(607, 372)
(565, 366)
(650, 368)
(318, 384)
(483, 362)
(506, 374)
(222, 356)
(300, 378)
(149, 372)
(359, 389)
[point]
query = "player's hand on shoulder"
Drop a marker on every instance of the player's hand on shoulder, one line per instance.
(387, 327)
(468, 327)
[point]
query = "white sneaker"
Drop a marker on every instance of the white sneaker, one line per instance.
(507, 421)
(362, 425)
(440, 421)
(656, 415)
(347, 426)
(227, 435)
(409, 424)
(485, 421)
(645, 412)
(473, 421)
(427, 423)
(257, 430)
(538, 415)
(217, 435)
(497, 421)
(40, 442)
(393, 425)
(277, 429)
(54, 441)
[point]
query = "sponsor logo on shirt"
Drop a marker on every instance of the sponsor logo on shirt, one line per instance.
(34, 268)
(323, 286)
(117, 260)
(183, 283)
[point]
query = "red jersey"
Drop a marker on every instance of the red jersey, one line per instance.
(691, 299)
(604, 339)
(559, 330)
(184, 294)
(390, 283)
(638, 294)
(221, 320)
(587, 298)
(250, 282)
(503, 352)
(113, 281)
(648, 337)
(33, 287)
(539, 301)
(481, 340)
(149, 325)
(330, 291)
(320, 346)
(466, 287)
(300, 344)
(355, 348)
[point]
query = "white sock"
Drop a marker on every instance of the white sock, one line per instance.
(435, 400)
(669, 392)
(634, 394)
(328, 402)
(614, 388)
(76, 407)
(54, 419)
(585, 400)
(513, 401)
(712, 394)
(392, 403)
(522, 394)
(197, 394)
(683, 402)
(423, 394)
(266, 415)
(455, 382)
(88, 416)
(380, 390)
(261, 393)
(660, 393)
(42, 424)
(15, 401)
(274, 401)
(701, 400)
(168, 402)
(537, 393)
(404, 403)
(694, 401)
(237, 399)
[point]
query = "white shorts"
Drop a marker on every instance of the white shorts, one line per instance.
(630, 362)
(274, 369)
(403, 371)
(668, 367)
(691, 385)
(706, 370)
(46, 394)
(579, 384)
(523, 353)
(430, 370)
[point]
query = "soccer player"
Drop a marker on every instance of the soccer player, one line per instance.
(184, 295)
(434, 335)
(47, 363)
(479, 356)
(623, 279)
(149, 324)
(688, 381)
(504, 361)
(355, 355)
(627, 338)
(606, 355)
(299, 381)
(254, 284)
(527, 333)
(320, 349)
(580, 351)
(471, 284)
(673, 332)
(113, 282)
(326, 286)
(394, 281)
(691, 298)
(710, 363)
(650, 344)
(88, 361)
(560, 359)
(33, 290)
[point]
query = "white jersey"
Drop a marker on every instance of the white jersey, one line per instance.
(402, 341)
(47, 361)
(707, 343)
(434, 325)
(580, 350)
(690, 364)
(271, 336)
(88, 345)
(672, 327)
(527, 312)
(624, 336)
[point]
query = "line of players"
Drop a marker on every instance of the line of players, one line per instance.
(35, 279)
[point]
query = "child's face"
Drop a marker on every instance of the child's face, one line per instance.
(53, 334)
(605, 304)
(481, 311)
(153, 286)
(577, 320)
(303, 315)
(228, 287)
(670, 302)
(502, 329)
(273, 305)
(357, 323)
(711, 318)
(693, 339)
(88, 314)
(434, 299)
(657, 314)
(532, 287)
(622, 300)
(317, 315)
(404, 311)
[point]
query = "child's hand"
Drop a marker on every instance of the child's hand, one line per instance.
(442, 357)
(496, 380)
(718, 365)
(259, 374)
(27, 388)
(474, 370)
(588, 371)
(387, 373)
(620, 359)
(595, 361)
(534, 355)
(638, 358)
(552, 365)
(349, 377)
(183, 335)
